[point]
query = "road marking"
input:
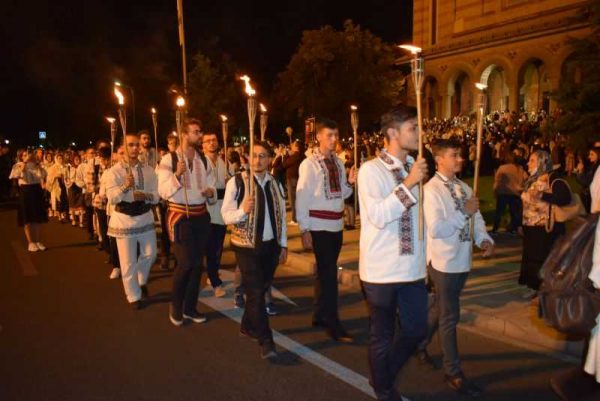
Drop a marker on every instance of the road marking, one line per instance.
(228, 275)
(23, 259)
(225, 306)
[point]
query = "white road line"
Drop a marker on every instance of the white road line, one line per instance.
(227, 275)
(225, 306)
(23, 259)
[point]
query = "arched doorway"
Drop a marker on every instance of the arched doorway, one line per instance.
(460, 94)
(431, 98)
(534, 86)
(570, 72)
(497, 89)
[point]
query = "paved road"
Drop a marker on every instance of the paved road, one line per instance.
(68, 334)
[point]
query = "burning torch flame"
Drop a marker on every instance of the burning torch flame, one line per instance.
(249, 90)
(223, 117)
(481, 86)
(180, 101)
(353, 108)
(110, 119)
(153, 110)
(119, 96)
(413, 49)
(263, 108)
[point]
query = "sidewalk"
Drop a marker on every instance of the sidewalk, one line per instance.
(492, 302)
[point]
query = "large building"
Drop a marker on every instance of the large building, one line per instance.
(519, 48)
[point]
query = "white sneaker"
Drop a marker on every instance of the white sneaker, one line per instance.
(40, 246)
(220, 291)
(292, 223)
(116, 273)
(33, 247)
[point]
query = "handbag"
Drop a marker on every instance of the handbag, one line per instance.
(561, 214)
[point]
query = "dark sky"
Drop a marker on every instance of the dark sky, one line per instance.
(59, 58)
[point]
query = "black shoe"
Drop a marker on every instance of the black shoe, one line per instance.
(175, 316)
(340, 334)
(91, 237)
(461, 384)
(238, 301)
(316, 322)
(164, 263)
(426, 360)
(137, 305)
(246, 334)
(195, 316)
(144, 289)
(271, 309)
(268, 351)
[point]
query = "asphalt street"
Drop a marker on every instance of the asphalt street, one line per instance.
(67, 333)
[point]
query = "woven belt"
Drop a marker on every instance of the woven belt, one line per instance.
(177, 211)
(326, 214)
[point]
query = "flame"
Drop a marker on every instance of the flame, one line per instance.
(119, 96)
(263, 108)
(353, 108)
(110, 119)
(223, 117)
(180, 101)
(153, 110)
(249, 90)
(481, 86)
(413, 49)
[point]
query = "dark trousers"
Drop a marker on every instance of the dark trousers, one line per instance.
(327, 246)
(165, 243)
(89, 220)
(444, 313)
(291, 184)
(189, 247)
(515, 207)
(388, 350)
(258, 268)
(103, 229)
(214, 250)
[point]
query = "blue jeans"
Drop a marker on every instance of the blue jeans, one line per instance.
(389, 352)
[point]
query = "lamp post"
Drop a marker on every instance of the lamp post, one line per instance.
(418, 75)
(354, 122)
(225, 131)
(251, 119)
(180, 102)
(264, 119)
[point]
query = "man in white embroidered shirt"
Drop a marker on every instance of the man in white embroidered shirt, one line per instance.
(132, 188)
(449, 208)
(392, 262)
(320, 194)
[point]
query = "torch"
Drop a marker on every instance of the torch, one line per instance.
(225, 131)
(354, 122)
(418, 74)
(113, 134)
(481, 101)
(289, 131)
(180, 104)
(155, 124)
(123, 120)
(251, 118)
(264, 119)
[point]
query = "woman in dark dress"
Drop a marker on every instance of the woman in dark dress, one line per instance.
(75, 184)
(542, 191)
(31, 212)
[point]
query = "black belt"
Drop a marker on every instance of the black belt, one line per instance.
(136, 208)
(220, 193)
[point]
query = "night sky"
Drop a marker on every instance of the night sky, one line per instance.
(59, 59)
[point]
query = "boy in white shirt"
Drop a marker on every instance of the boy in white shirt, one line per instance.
(449, 206)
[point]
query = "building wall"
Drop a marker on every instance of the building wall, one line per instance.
(517, 47)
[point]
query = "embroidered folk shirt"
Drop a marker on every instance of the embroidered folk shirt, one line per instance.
(196, 180)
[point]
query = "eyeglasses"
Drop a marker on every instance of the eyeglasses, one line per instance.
(210, 140)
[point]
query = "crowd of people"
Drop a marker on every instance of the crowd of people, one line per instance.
(194, 192)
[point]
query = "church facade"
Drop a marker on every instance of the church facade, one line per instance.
(518, 48)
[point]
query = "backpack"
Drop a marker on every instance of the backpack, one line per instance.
(568, 300)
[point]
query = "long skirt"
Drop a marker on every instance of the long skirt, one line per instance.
(76, 201)
(32, 206)
(62, 201)
(537, 244)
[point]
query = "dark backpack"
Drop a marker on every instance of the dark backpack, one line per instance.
(175, 159)
(568, 300)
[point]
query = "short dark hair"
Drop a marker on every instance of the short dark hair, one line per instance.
(144, 132)
(323, 123)
(266, 146)
(104, 153)
(443, 144)
(128, 134)
(397, 116)
(191, 121)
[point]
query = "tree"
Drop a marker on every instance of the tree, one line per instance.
(579, 98)
(214, 90)
(333, 69)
